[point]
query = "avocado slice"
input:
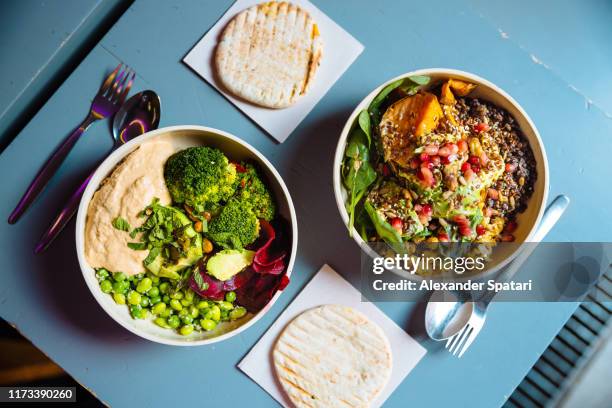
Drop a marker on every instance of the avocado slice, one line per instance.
(165, 268)
(229, 262)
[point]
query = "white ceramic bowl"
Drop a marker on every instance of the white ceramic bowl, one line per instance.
(182, 137)
(527, 221)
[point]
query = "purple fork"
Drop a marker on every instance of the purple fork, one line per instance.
(111, 95)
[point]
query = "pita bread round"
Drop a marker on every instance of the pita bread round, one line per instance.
(332, 356)
(269, 53)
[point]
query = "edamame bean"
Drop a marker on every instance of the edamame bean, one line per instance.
(136, 311)
(176, 305)
(144, 285)
(158, 308)
(189, 295)
(177, 295)
(187, 319)
(186, 329)
(185, 302)
(225, 305)
(102, 274)
(194, 312)
(224, 315)
(119, 298)
(154, 279)
(133, 298)
(213, 313)
(161, 322)
(106, 286)
(155, 300)
(237, 313)
(153, 292)
(202, 304)
(173, 321)
(166, 313)
(163, 287)
(230, 296)
(144, 301)
(207, 324)
(119, 276)
(166, 299)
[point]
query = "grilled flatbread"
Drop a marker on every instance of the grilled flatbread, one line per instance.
(332, 356)
(269, 53)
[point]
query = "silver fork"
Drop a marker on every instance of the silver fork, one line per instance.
(461, 341)
(111, 95)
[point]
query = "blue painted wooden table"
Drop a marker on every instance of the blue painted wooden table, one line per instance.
(47, 300)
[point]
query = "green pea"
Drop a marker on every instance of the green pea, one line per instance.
(121, 287)
(158, 308)
(119, 276)
(207, 324)
(153, 292)
(226, 305)
(230, 296)
(176, 305)
(183, 312)
(155, 300)
(166, 299)
(161, 322)
(202, 304)
(119, 298)
(106, 286)
(194, 312)
(167, 312)
(186, 329)
(177, 295)
(173, 321)
(237, 313)
(213, 313)
(187, 319)
(224, 315)
(133, 298)
(144, 285)
(163, 287)
(102, 274)
(136, 311)
(144, 301)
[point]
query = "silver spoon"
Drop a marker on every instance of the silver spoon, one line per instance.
(444, 319)
(138, 115)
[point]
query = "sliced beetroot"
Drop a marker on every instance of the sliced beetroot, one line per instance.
(258, 291)
(274, 249)
(274, 269)
(215, 290)
(237, 280)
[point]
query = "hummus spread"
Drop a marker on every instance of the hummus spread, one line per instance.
(128, 190)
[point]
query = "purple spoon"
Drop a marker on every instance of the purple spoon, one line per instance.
(138, 115)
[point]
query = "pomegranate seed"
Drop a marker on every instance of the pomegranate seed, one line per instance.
(468, 174)
(476, 168)
(427, 210)
(431, 149)
(465, 166)
(283, 282)
(443, 237)
(507, 237)
(474, 160)
(427, 164)
(493, 193)
(510, 167)
(386, 171)
(397, 224)
(424, 157)
(418, 207)
(427, 176)
(481, 127)
(510, 227)
(444, 151)
(461, 220)
(414, 164)
(453, 148)
(435, 160)
(465, 230)
(480, 230)
(462, 145)
(240, 168)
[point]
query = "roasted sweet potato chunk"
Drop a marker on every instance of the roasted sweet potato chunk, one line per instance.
(454, 87)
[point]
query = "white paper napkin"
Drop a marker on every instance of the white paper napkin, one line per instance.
(327, 287)
(340, 49)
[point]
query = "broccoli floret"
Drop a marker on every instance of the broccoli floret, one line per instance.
(200, 177)
(236, 225)
(252, 191)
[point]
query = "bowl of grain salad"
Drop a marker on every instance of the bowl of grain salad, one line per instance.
(441, 156)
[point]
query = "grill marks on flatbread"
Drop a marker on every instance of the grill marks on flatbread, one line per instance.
(332, 356)
(268, 54)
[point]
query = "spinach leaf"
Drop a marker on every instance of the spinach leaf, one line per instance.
(385, 230)
(153, 254)
(364, 124)
(121, 224)
(137, 246)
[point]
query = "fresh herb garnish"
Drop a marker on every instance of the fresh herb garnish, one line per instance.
(137, 246)
(197, 277)
(121, 224)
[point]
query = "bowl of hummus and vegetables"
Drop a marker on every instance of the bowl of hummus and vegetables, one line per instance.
(437, 156)
(186, 235)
